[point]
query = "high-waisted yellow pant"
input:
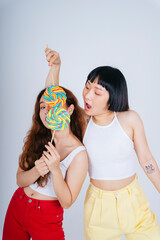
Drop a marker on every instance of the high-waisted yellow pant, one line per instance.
(110, 214)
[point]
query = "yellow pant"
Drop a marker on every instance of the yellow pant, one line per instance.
(110, 214)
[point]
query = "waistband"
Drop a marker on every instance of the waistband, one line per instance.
(41, 204)
(104, 193)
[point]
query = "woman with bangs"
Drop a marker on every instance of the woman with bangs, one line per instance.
(114, 138)
(50, 176)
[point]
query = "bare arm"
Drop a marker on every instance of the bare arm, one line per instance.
(25, 178)
(145, 157)
(67, 190)
(54, 61)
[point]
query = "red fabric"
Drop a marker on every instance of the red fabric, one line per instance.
(31, 218)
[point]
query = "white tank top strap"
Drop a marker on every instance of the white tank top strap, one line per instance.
(67, 161)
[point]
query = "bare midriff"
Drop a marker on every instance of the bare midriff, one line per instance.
(36, 195)
(112, 185)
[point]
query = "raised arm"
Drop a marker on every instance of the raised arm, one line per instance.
(54, 62)
(145, 157)
(67, 190)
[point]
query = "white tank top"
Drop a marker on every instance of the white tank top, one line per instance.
(110, 150)
(64, 165)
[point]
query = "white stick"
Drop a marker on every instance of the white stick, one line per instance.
(52, 136)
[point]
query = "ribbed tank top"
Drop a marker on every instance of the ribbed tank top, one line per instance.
(64, 165)
(110, 150)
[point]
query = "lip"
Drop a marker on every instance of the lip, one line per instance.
(87, 106)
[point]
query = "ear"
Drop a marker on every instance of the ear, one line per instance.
(70, 109)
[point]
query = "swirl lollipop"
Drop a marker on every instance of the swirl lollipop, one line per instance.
(55, 96)
(57, 119)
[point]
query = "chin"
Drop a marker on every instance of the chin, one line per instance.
(88, 112)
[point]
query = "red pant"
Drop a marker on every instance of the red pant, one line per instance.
(31, 218)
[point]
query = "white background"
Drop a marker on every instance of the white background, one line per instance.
(123, 34)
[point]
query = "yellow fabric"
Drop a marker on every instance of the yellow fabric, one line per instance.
(110, 214)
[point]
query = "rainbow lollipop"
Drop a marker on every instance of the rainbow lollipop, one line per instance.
(57, 119)
(55, 96)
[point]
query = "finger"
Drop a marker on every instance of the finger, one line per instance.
(46, 172)
(46, 168)
(38, 161)
(43, 164)
(47, 161)
(54, 149)
(48, 50)
(53, 59)
(44, 158)
(49, 56)
(47, 155)
(51, 151)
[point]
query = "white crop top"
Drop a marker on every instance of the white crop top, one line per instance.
(110, 150)
(64, 165)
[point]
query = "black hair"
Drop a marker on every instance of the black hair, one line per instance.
(115, 83)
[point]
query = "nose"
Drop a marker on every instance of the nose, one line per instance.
(89, 94)
(47, 109)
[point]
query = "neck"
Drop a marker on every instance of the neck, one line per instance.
(62, 135)
(103, 118)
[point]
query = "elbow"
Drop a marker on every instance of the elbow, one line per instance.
(17, 181)
(66, 205)
(20, 183)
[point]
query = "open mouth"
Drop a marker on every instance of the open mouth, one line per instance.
(87, 106)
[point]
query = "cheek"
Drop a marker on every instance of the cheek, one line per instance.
(84, 93)
(42, 116)
(101, 102)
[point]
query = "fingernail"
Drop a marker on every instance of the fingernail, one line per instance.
(49, 65)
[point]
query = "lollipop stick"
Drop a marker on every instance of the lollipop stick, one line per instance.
(52, 136)
(51, 72)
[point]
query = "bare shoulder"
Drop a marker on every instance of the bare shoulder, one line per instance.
(131, 117)
(80, 161)
(82, 155)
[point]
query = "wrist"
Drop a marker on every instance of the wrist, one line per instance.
(55, 169)
(36, 172)
(56, 67)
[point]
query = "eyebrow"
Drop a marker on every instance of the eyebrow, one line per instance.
(95, 86)
(99, 88)
(41, 102)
